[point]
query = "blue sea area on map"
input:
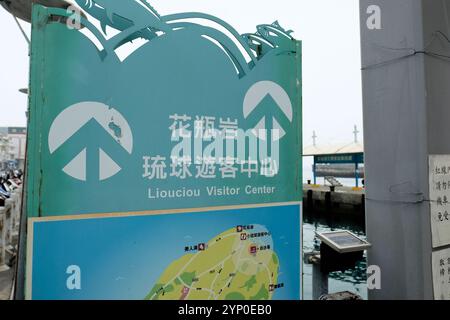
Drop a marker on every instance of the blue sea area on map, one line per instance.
(123, 257)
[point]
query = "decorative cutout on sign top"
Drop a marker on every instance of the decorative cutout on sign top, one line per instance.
(137, 19)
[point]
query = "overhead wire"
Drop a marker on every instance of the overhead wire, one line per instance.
(413, 52)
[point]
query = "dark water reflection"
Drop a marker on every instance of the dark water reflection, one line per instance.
(353, 280)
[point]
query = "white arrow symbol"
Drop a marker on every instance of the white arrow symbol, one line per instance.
(255, 96)
(72, 119)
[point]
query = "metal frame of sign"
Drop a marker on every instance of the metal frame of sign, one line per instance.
(266, 96)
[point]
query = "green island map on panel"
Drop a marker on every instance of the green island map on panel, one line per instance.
(237, 264)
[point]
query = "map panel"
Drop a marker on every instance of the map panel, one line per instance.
(247, 253)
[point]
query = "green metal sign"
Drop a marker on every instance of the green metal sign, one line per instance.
(152, 113)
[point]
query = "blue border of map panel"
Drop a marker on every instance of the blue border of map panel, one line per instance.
(125, 257)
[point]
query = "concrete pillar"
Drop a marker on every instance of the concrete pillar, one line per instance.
(319, 282)
(406, 118)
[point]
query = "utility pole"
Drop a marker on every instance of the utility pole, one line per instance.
(405, 87)
(355, 133)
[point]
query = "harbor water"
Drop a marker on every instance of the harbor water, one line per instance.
(353, 280)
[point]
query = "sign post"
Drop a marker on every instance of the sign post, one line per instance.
(165, 170)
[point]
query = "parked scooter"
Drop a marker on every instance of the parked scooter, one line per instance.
(4, 188)
(11, 181)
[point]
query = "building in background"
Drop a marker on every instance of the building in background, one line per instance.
(12, 147)
(337, 161)
(5, 148)
(18, 140)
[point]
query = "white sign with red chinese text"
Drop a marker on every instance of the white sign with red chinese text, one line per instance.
(439, 189)
(441, 274)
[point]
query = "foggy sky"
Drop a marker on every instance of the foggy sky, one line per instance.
(329, 29)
